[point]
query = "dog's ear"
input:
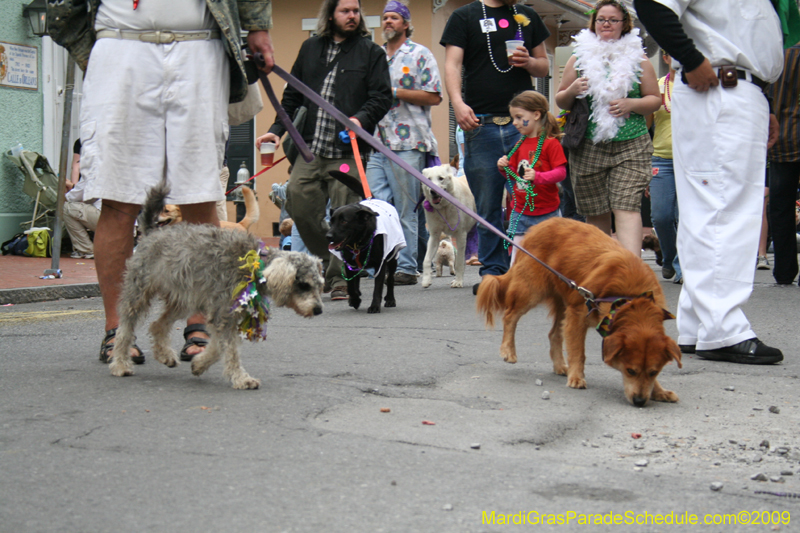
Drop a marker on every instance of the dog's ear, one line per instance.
(280, 274)
(674, 351)
(365, 213)
(613, 346)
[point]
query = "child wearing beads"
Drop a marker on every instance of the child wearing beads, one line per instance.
(535, 165)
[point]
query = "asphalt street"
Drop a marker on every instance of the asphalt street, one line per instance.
(314, 450)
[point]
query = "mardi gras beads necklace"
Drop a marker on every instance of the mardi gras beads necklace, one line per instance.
(668, 99)
(514, 179)
(520, 19)
(356, 253)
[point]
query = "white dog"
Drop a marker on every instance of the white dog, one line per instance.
(445, 256)
(444, 217)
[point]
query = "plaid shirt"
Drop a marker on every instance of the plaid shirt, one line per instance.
(325, 132)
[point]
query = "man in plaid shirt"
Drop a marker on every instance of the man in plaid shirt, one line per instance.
(349, 71)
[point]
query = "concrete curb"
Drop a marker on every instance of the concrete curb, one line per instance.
(43, 294)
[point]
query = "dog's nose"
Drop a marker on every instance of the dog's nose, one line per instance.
(317, 311)
(638, 401)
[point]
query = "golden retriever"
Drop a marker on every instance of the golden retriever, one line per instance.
(636, 344)
(171, 214)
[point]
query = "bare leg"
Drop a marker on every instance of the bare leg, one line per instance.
(629, 230)
(113, 245)
(205, 213)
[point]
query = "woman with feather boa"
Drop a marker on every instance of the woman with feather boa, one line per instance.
(612, 167)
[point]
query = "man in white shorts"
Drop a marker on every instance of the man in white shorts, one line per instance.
(156, 94)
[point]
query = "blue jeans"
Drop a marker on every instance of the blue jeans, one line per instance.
(392, 184)
(783, 181)
(664, 212)
(483, 147)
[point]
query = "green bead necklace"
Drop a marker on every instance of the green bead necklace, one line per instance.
(527, 185)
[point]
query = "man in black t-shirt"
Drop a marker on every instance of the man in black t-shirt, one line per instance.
(475, 38)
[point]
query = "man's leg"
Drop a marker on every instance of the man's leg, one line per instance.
(76, 221)
(783, 182)
(484, 146)
(719, 164)
(405, 190)
(204, 213)
(113, 246)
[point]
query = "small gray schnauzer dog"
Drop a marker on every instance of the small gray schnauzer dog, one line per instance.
(196, 268)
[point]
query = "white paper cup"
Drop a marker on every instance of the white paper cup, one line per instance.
(267, 154)
(511, 46)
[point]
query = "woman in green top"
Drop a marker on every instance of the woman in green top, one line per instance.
(611, 168)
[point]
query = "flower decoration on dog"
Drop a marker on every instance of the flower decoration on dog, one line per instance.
(250, 299)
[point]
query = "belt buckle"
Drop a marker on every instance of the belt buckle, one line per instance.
(501, 121)
(158, 37)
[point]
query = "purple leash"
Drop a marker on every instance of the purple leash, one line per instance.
(379, 147)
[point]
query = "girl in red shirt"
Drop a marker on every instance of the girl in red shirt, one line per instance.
(535, 165)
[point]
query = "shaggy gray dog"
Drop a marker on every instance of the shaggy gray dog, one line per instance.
(196, 268)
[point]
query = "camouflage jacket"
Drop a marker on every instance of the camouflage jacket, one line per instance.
(70, 23)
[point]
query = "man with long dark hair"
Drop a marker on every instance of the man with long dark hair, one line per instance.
(348, 70)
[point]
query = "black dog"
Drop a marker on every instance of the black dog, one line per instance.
(363, 241)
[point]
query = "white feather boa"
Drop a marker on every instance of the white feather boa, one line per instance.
(612, 67)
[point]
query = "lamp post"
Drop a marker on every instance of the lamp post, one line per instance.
(36, 13)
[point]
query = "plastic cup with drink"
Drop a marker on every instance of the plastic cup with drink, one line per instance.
(267, 153)
(511, 46)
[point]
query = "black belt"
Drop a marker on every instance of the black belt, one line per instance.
(741, 74)
(500, 120)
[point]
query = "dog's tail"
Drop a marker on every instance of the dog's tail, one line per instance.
(252, 212)
(491, 298)
(153, 205)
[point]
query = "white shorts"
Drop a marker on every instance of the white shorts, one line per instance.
(155, 111)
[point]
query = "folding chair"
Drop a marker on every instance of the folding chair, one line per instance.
(41, 184)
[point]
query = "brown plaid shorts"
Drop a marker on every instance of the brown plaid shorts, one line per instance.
(610, 175)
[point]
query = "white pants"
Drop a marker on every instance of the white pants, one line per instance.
(720, 147)
(155, 111)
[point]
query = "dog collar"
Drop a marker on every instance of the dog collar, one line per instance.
(607, 322)
(249, 297)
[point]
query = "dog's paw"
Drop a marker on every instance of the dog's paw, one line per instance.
(246, 382)
(426, 281)
(560, 370)
(165, 356)
(576, 383)
(664, 396)
(456, 283)
(120, 369)
(354, 302)
(508, 356)
(372, 309)
(390, 303)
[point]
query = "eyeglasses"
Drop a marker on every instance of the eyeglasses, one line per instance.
(613, 22)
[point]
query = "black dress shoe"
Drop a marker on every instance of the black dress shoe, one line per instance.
(687, 348)
(749, 352)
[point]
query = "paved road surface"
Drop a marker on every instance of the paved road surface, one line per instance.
(312, 451)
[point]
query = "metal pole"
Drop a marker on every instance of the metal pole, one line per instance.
(66, 124)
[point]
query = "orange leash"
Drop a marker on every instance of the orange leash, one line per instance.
(359, 164)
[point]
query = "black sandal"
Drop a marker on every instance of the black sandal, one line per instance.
(106, 346)
(193, 341)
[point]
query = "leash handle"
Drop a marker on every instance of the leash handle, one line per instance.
(359, 164)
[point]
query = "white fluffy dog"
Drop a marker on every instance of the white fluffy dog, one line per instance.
(445, 256)
(444, 217)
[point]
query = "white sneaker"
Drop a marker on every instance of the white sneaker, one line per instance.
(762, 263)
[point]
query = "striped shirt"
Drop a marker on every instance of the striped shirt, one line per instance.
(785, 94)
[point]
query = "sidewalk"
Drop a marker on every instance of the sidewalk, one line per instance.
(20, 279)
(21, 283)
